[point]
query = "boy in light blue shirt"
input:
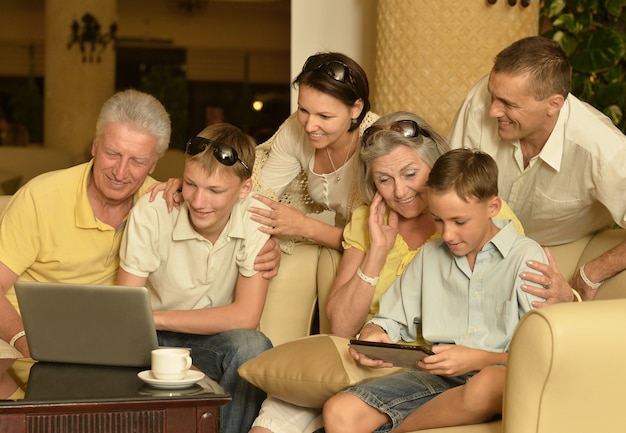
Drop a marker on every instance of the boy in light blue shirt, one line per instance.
(465, 290)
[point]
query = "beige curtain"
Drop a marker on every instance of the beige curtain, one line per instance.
(429, 53)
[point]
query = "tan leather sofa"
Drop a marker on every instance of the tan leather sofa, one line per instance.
(547, 341)
(20, 164)
(564, 372)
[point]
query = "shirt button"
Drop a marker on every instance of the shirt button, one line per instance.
(475, 294)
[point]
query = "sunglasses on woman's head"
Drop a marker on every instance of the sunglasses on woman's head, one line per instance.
(222, 152)
(406, 128)
(339, 71)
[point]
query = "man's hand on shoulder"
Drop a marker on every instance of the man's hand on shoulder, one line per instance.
(268, 259)
(547, 283)
(171, 192)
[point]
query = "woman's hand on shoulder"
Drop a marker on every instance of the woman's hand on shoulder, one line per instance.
(279, 219)
(268, 259)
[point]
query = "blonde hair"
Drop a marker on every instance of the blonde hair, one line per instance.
(234, 137)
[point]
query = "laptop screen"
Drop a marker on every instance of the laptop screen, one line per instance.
(87, 324)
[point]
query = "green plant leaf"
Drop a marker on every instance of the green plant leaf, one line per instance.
(554, 7)
(591, 32)
(612, 93)
(597, 51)
(614, 7)
(614, 112)
(566, 41)
(567, 22)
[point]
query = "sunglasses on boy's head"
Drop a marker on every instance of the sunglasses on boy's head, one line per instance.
(222, 152)
(406, 128)
(339, 71)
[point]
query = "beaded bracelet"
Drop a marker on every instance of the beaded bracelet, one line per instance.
(588, 282)
(16, 337)
(369, 280)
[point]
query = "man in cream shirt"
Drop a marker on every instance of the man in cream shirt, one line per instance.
(562, 163)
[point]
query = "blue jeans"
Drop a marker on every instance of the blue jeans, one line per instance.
(219, 356)
(400, 394)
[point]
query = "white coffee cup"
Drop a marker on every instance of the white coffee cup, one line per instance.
(170, 363)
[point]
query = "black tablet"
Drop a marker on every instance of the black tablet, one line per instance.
(400, 355)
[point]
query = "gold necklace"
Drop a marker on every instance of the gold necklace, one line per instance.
(338, 178)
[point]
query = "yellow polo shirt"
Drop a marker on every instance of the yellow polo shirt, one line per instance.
(48, 232)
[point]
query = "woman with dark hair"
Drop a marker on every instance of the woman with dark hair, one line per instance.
(318, 143)
(305, 174)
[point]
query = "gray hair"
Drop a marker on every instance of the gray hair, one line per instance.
(140, 111)
(383, 142)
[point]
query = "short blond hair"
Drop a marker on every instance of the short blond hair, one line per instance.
(234, 137)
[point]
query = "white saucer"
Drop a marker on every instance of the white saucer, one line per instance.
(190, 378)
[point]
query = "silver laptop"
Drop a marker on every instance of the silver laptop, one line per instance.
(87, 324)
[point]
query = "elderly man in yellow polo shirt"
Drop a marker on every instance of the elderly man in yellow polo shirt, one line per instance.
(67, 225)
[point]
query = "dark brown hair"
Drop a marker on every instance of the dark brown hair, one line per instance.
(469, 173)
(543, 59)
(348, 91)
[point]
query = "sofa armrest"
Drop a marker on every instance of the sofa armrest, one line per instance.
(327, 268)
(291, 296)
(614, 287)
(564, 370)
(4, 200)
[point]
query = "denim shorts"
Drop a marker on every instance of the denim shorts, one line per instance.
(400, 394)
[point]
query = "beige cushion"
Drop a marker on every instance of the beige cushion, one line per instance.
(291, 296)
(327, 267)
(308, 371)
(28, 162)
(4, 200)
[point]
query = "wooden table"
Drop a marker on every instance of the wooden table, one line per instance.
(66, 398)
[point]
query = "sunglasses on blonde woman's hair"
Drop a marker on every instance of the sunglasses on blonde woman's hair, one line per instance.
(222, 152)
(406, 128)
(339, 71)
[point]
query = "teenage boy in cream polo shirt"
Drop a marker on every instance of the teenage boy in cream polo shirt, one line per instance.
(198, 263)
